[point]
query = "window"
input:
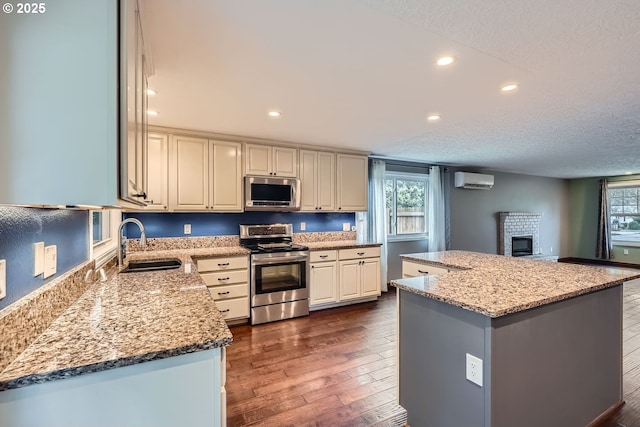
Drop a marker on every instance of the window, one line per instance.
(624, 209)
(406, 203)
(103, 226)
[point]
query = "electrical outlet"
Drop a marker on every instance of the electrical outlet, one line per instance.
(346, 226)
(474, 369)
(625, 251)
(3, 278)
(303, 226)
(38, 257)
(353, 228)
(187, 229)
(50, 260)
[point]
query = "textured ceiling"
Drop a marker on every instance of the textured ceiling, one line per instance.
(361, 74)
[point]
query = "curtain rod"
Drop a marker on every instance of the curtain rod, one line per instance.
(403, 162)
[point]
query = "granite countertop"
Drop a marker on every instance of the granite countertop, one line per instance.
(495, 285)
(338, 244)
(129, 319)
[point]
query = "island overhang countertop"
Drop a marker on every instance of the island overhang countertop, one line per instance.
(497, 285)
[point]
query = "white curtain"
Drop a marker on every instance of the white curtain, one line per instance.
(371, 225)
(437, 230)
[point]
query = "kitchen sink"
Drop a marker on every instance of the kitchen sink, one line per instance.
(152, 265)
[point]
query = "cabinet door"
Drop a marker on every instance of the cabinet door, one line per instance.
(352, 185)
(323, 283)
(226, 176)
(189, 189)
(349, 279)
(285, 162)
(257, 160)
(370, 277)
(308, 174)
(157, 172)
(326, 182)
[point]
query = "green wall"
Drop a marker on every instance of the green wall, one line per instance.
(583, 213)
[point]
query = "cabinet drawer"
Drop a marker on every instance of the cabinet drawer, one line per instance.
(234, 308)
(412, 269)
(319, 256)
(230, 291)
(216, 264)
(356, 253)
(225, 277)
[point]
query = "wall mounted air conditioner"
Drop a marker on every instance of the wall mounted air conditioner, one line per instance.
(474, 181)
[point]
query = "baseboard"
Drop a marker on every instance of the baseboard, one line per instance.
(605, 262)
(606, 415)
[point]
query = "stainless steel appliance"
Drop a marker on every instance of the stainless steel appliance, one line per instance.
(271, 194)
(279, 273)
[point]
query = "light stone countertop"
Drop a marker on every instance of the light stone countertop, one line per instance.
(338, 244)
(496, 285)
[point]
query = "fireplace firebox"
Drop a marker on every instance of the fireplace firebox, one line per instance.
(521, 245)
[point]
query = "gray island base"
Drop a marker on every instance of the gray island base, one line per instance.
(557, 362)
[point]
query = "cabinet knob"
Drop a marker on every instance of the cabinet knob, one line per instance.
(320, 208)
(313, 266)
(340, 207)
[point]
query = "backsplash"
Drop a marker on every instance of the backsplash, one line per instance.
(221, 224)
(21, 227)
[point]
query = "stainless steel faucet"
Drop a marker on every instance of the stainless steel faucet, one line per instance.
(122, 251)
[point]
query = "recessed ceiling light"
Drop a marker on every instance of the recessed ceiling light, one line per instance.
(151, 92)
(152, 113)
(445, 60)
(274, 113)
(433, 117)
(510, 87)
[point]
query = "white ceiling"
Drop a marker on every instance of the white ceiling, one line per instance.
(361, 74)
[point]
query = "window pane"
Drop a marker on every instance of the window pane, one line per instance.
(411, 213)
(624, 207)
(97, 227)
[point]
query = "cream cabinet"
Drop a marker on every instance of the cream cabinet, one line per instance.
(157, 172)
(352, 183)
(324, 278)
(359, 272)
(317, 180)
(228, 282)
(266, 160)
(414, 269)
(205, 175)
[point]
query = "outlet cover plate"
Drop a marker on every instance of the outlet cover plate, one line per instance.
(3, 278)
(474, 369)
(50, 260)
(187, 229)
(303, 226)
(38, 258)
(346, 226)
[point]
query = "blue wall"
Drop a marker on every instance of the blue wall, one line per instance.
(221, 224)
(20, 228)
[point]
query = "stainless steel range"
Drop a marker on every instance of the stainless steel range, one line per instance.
(279, 273)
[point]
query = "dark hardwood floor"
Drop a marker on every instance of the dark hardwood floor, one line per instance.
(333, 368)
(337, 368)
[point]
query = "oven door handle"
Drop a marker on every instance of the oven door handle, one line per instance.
(280, 260)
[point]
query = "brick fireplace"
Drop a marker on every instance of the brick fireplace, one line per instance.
(518, 224)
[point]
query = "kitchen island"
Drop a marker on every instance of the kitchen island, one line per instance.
(548, 336)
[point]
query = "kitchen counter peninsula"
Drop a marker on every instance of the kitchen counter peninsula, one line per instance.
(549, 337)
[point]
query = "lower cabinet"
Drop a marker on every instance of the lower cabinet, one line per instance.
(228, 283)
(344, 275)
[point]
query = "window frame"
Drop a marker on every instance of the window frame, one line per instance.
(408, 237)
(105, 249)
(619, 185)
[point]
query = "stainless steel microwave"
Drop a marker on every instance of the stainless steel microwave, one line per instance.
(271, 194)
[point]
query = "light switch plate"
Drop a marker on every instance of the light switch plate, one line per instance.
(187, 229)
(38, 257)
(50, 260)
(3, 278)
(346, 226)
(303, 226)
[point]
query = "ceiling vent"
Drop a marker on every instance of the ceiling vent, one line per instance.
(473, 181)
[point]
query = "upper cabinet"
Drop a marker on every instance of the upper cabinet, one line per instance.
(318, 180)
(133, 111)
(205, 175)
(266, 160)
(59, 109)
(352, 182)
(157, 172)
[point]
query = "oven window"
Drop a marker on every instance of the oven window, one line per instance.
(279, 277)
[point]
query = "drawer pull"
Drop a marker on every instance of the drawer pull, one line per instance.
(360, 253)
(225, 311)
(224, 293)
(324, 256)
(223, 278)
(423, 272)
(223, 264)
